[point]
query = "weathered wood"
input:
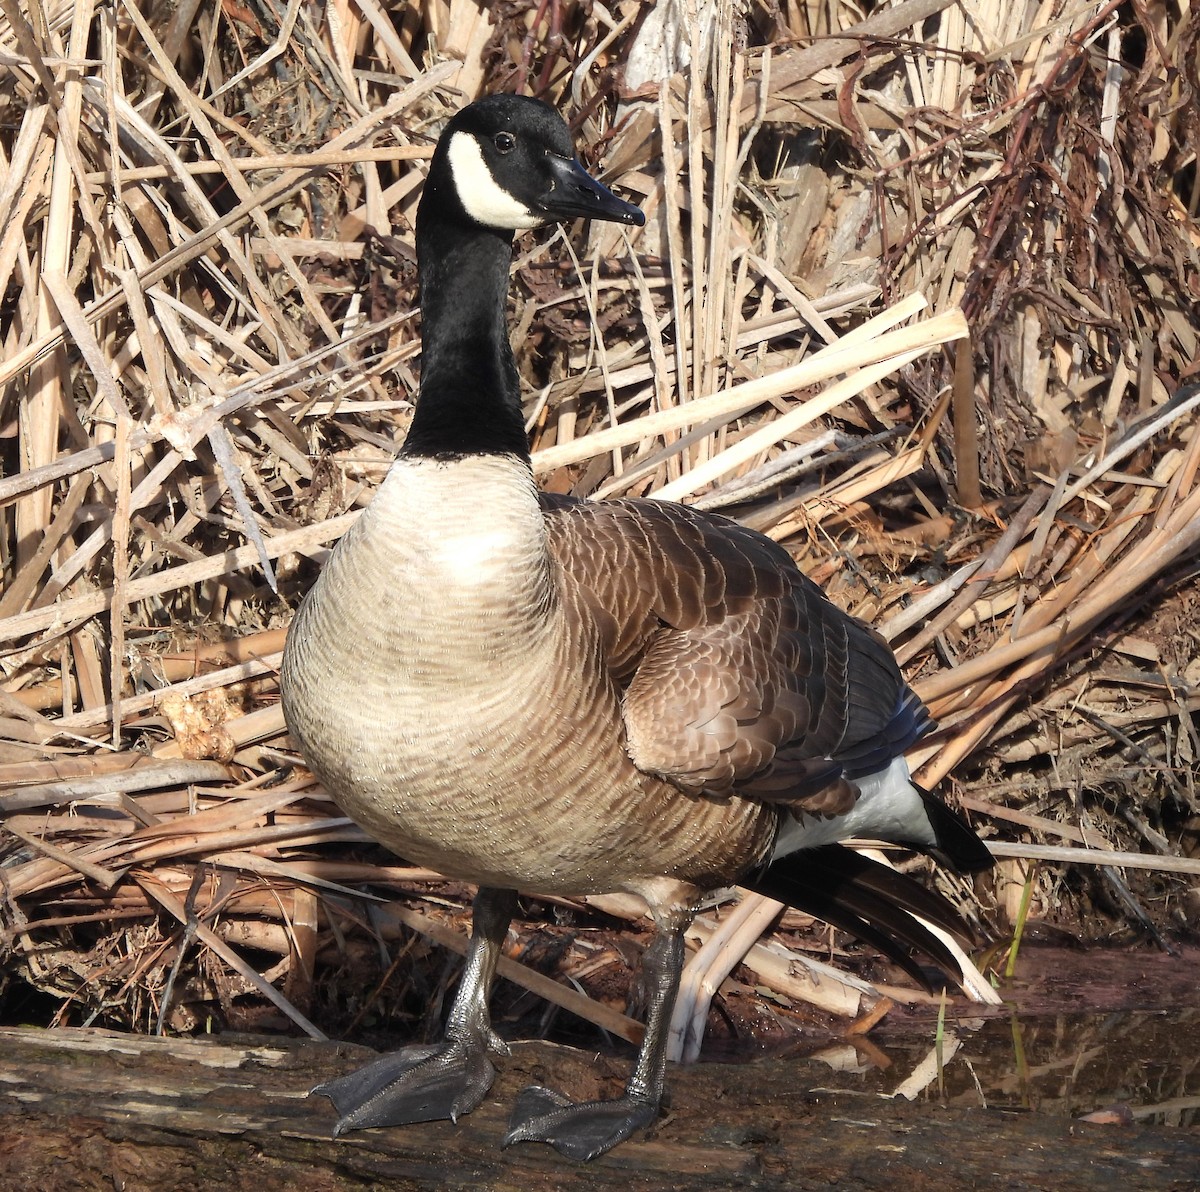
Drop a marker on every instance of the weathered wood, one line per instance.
(84, 1109)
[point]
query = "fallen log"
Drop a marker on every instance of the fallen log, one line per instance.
(94, 1109)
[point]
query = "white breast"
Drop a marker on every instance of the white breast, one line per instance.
(460, 536)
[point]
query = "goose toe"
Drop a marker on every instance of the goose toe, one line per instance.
(580, 1131)
(417, 1084)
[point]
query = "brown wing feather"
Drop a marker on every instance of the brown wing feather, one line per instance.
(737, 671)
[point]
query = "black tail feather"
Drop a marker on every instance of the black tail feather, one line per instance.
(869, 900)
(957, 843)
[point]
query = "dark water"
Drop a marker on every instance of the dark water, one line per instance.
(1144, 1065)
(1113, 1031)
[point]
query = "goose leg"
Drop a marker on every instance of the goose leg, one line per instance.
(583, 1131)
(442, 1080)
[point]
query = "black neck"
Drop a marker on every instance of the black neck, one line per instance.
(470, 396)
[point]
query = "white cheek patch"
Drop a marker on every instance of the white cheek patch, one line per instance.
(483, 199)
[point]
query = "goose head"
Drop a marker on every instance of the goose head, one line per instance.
(507, 163)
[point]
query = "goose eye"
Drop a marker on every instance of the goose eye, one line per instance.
(505, 142)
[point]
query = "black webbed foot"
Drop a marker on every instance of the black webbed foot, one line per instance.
(447, 1079)
(579, 1131)
(417, 1084)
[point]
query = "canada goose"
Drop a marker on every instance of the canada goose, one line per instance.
(536, 693)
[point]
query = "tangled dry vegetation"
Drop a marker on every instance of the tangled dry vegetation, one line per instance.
(918, 297)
